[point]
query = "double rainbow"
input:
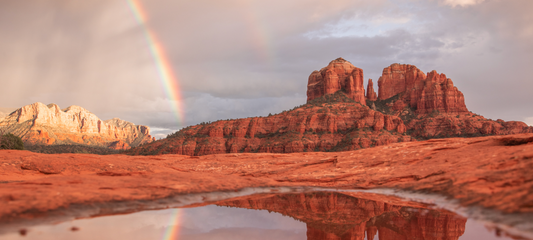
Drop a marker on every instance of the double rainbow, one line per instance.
(170, 84)
(164, 68)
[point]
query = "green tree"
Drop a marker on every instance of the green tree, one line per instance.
(10, 141)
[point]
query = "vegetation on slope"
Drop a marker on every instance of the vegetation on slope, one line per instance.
(332, 122)
(54, 149)
(10, 141)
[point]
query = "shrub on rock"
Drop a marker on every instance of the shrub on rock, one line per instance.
(10, 141)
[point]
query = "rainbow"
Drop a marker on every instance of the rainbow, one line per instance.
(259, 34)
(164, 68)
(173, 229)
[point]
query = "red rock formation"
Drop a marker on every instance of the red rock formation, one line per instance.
(465, 125)
(319, 126)
(332, 121)
(339, 74)
(398, 78)
(398, 105)
(426, 94)
(437, 94)
(338, 126)
(370, 93)
(119, 145)
(41, 124)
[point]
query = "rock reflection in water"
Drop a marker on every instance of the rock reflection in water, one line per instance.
(331, 215)
(320, 215)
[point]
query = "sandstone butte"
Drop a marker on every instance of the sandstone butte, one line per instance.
(491, 173)
(49, 125)
(338, 116)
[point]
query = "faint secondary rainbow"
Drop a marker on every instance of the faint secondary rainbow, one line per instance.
(173, 229)
(166, 75)
(258, 29)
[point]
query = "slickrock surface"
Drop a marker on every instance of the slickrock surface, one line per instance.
(492, 172)
(336, 216)
(48, 124)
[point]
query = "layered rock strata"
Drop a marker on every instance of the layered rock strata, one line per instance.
(338, 75)
(339, 117)
(331, 124)
(424, 93)
(48, 124)
(339, 125)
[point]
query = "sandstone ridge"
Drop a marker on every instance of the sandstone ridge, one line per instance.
(338, 116)
(50, 125)
(332, 122)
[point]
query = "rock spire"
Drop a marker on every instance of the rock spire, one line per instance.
(370, 93)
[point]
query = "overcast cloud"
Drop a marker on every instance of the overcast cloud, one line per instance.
(239, 58)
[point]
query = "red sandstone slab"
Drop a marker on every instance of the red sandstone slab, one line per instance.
(493, 172)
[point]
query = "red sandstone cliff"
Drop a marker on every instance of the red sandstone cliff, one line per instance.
(410, 106)
(425, 94)
(331, 123)
(336, 216)
(48, 124)
(338, 75)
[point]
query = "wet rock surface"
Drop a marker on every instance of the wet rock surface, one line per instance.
(296, 215)
(489, 172)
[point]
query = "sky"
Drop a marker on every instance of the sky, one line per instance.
(244, 58)
(200, 223)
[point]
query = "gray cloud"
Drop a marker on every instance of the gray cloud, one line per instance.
(239, 59)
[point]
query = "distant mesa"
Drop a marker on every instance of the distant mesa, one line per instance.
(40, 124)
(340, 116)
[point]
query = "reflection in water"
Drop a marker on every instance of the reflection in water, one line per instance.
(338, 216)
(319, 215)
